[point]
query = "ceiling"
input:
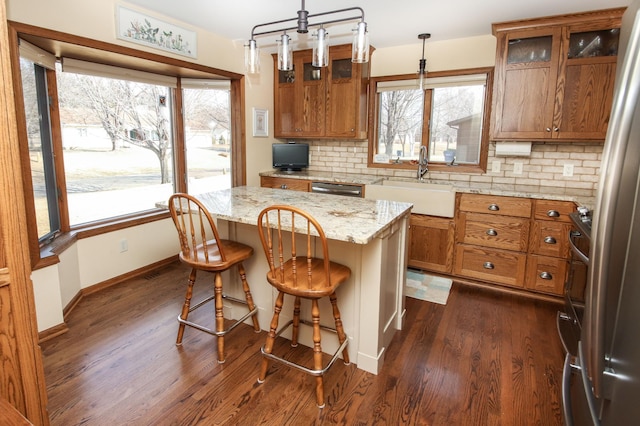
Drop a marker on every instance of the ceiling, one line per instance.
(390, 23)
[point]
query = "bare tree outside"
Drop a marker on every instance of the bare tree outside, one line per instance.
(129, 112)
(400, 117)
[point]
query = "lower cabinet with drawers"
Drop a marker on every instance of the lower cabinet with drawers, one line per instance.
(512, 241)
(492, 235)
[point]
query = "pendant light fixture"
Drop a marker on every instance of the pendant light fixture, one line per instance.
(360, 52)
(422, 70)
(285, 55)
(320, 56)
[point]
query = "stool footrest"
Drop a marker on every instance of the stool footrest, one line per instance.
(302, 367)
(254, 311)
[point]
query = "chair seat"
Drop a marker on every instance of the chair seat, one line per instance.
(319, 287)
(234, 252)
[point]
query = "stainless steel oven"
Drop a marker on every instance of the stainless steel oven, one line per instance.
(569, 320)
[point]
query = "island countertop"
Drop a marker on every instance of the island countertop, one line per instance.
(354, 220)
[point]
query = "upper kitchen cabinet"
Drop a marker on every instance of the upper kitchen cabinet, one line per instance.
(554, 77)
(327, 102)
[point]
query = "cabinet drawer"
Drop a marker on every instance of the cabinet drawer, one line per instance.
(553, 210)
(492, 265)
(503, 232)
(505, 206)
(550, 238)
(546, 274)
(284, 183)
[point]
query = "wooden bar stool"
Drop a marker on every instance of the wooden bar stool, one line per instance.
(301, 276)
(203, 250)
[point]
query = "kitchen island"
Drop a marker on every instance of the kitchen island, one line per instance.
(368, 236)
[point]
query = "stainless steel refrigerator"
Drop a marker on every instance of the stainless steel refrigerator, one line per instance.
(601, 385)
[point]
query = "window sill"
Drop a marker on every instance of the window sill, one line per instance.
(433, 167)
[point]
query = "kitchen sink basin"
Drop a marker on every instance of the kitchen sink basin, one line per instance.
(434, 199)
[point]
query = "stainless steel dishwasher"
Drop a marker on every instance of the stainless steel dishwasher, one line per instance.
(337, 189)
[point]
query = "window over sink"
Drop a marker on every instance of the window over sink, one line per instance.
(450, 117)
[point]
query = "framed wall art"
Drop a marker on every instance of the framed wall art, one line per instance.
(139, 28)
(260, 122)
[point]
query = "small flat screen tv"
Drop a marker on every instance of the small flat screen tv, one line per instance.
(290, 156)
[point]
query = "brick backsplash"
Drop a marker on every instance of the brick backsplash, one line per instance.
(542, 171)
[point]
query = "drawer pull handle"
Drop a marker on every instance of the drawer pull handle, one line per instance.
(549, 240)
(553, 213)
(492, 232)
(546, 276)
(488, 265)
(493, 207)
(283, 186)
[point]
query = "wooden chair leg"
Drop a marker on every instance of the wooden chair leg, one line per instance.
(186, 305)
(271, 336)
(317, 351)
(219, 315)
(339, 328)
(248, 297)
(296, 322)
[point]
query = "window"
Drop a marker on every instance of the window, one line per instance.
(117, 141)
(449, 117)
(207, 128)
(102, 144)
(41, 159)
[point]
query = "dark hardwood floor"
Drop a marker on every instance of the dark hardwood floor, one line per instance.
(483, 359)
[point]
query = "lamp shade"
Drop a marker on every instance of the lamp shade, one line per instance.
(252, 57)
(360, 52)
(321, 49)
(285, 55)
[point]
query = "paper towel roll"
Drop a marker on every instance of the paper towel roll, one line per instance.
(508, 149)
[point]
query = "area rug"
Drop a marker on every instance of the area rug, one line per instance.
(427, 287)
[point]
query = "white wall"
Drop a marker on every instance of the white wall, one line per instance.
(472, 52)
(94, 260)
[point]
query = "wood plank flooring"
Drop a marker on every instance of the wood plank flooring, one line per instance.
(483, 359)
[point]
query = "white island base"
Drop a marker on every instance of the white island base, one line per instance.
(371, 302)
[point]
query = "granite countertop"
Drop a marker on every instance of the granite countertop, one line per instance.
(584, 198)
(353, 178)
(355, 220)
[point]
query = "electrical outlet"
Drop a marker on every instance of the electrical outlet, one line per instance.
(124, 246)
(567, 170)
(517, 168)
(495, 167)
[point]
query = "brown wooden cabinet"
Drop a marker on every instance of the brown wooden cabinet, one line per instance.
(285, 183)
(330, 102)
(549, 246)
(492, 235)
(431, 241)
(554, 77)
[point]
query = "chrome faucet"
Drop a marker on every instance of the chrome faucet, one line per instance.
(422, 162)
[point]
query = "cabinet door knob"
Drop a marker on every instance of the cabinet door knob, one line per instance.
(556, 129)
(548, 129)
(553, 213)
(493, 207)
(549, 240)
(488, 265)
(546, 276)
(492, 232)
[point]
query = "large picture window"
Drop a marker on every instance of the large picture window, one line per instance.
(449, 117)
(102, 143)
(117, 141)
